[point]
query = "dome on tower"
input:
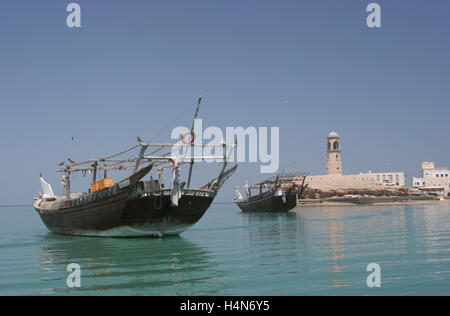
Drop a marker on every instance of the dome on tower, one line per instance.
(333, 134)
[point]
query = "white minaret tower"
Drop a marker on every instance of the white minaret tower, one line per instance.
(334, 162)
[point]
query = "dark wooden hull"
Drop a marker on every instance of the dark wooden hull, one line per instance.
(131, 208)
(269, 203)
(120, 216)
(86, 220)
(156, 216)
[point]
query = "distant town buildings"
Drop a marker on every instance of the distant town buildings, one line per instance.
(396, 179)
(336, 180)
(434, 180)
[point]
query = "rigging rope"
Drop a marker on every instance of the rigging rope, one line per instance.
(176, 119)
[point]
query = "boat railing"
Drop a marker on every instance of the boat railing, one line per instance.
(152, 187)
(144, 188)
(85, 198)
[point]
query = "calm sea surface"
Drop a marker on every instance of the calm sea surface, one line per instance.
(311, 251)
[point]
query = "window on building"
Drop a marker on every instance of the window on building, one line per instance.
(336, 145)
(329, 145)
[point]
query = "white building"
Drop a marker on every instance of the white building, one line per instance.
(418, 182)
(396, 179)
(434, 180)
(334, 179)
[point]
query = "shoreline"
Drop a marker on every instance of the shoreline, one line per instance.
(320, 203)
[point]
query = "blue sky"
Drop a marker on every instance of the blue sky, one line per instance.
(308, 67)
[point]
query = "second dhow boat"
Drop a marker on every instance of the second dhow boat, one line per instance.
(277, 194)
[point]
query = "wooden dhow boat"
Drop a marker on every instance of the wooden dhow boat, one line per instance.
(132, 207)
(279, 193)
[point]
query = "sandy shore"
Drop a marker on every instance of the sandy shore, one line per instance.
(407, 202)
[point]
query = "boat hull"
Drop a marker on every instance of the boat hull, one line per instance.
(131, 208)
(122, 217)
(156, 216)
(270, 203)
(85, 220)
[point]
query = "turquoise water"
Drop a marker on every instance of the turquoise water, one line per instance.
(311, 251)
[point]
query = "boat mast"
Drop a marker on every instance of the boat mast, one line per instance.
(140, 157)
(276, 182)
(95, 171)
(248, 190)
(192, 143)
(67, 183)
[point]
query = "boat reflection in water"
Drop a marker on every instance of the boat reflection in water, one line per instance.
(111, 266)
(276, 239)
(297, 236)
(269, 225)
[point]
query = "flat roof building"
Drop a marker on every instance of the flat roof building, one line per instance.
(434, 180)
(335, 179)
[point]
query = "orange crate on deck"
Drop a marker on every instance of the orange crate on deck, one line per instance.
(101, 184)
